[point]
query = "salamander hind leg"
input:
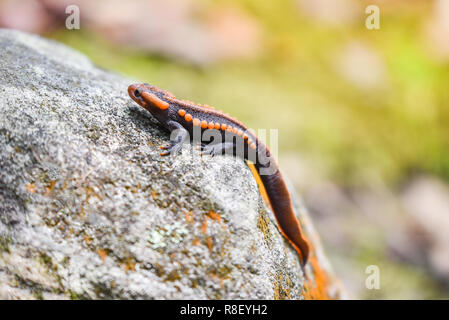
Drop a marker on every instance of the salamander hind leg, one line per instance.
(214, 149)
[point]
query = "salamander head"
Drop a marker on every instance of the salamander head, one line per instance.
(149, 97)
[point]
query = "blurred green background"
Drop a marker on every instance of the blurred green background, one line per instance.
(362, 114)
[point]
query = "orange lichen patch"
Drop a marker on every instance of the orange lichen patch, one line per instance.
(204, 226)
(91, 193)
(87, 239)
(223, 126)
(30, 187)
(214, 216)
(217, 125)
(181, 112)
(188, 117)
(316, 289)
(154, 195)
(129, 265)
(50, 187)
(189, 216)
(211, 125)
(154, 101)
(209, 243)
(103, 254)
(195, 241)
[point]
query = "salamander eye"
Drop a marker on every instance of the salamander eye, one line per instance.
(137, 93)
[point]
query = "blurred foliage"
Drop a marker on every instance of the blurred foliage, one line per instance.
(293, 85)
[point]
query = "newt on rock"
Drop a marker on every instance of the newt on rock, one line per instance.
(192, 121)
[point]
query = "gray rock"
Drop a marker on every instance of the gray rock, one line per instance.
(88, 208)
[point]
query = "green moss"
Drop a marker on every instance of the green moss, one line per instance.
(52, 269)
(4, 244)
(47, 261)
(38, 295)
(74, 296)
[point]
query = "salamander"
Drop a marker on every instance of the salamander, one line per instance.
(188, 120)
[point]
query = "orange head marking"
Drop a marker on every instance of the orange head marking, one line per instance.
(188, 117)
(152, 100)
(181, 112)
(148, 97)
(204, 124)
(196, 122)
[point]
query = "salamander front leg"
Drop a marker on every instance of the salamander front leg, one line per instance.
(175, 145)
